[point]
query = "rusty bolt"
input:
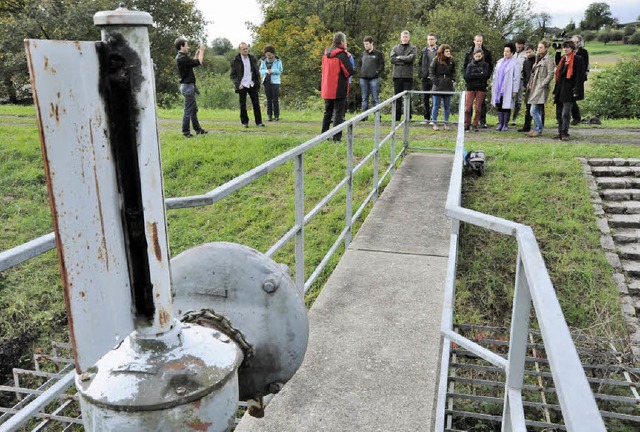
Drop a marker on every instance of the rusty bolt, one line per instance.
(85, 377)
(180, 390)
(269, 287)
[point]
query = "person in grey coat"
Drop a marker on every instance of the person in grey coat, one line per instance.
(538, 89)
(403, 56)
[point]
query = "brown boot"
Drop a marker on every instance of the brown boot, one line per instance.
(534, 134)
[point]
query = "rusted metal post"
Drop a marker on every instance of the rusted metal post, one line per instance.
(138, 368)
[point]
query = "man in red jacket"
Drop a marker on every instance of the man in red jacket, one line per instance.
(336, 70)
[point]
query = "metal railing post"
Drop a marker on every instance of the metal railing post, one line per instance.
(407, 119)
(349, 203)
(376, 158)
(513, 411)
(392, 148)
(299, 220)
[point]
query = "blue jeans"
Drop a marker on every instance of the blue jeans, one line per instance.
(436, 107)
(272, 91)
(536, 113)
(190, 114)
(370, 86)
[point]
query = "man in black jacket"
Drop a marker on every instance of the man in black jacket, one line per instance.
(478, 42)
(246, 80)
(403, 56)
(188, 85)
(427, 55)
(371, 65)
(527, 68)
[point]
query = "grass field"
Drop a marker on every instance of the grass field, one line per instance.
(538, 183)
(603, 56)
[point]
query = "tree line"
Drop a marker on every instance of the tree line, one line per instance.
(300, 31)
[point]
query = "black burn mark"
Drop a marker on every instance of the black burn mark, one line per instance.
(120, 78)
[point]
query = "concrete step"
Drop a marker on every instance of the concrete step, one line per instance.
(624, 221)
(634, 286)
(632, 268)
(622, 207)
(626, 235)
(616, 171)
(620, 194)
(598, 162)
(629, 252)
(618, 182)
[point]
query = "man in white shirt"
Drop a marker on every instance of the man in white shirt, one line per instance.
(246, 80)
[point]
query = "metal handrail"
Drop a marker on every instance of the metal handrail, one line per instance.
(38, 246)
(532, 280)
(532, 285)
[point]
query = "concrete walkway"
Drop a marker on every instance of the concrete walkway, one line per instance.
(374, 348)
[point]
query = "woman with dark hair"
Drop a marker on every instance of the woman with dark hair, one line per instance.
(506, 81)
(442, 73)
(570, 74)
(270, 70)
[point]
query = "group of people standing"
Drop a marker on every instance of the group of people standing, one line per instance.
(246, 75)
(523, 74)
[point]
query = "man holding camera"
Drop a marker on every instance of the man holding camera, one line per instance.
(188, 85)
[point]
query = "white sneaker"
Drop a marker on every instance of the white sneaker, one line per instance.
(430, 123)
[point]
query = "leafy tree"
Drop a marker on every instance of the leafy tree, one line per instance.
(605, 36)
(220, 46)
(541, 22)
(73, 20)
(597, 16)
(381, 19)
(615, 93)
(635, 38)
(629, 30)
(589, 35)
(570, 28)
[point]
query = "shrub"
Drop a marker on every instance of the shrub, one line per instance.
(629, 30)
(635, 38)
(589, 35)
(615, 92)
(216, 92)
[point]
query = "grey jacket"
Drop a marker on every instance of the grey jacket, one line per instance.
(541, 76)
(402, 58)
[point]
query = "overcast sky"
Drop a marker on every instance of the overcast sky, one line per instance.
(229, 17)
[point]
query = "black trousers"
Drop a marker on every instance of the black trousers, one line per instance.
(400, 85)
(575, 112)
(339, 106)
(255, 102)
(427, 85)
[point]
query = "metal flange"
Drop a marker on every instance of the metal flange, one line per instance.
(259, 300)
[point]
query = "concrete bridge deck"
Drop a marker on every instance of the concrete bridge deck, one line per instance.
(374, 348)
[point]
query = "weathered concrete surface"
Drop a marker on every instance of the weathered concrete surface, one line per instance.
(374, 349)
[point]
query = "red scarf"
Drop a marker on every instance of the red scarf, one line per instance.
(568, 59)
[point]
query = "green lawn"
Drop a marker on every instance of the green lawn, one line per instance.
(602, 56)
(538, 183)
